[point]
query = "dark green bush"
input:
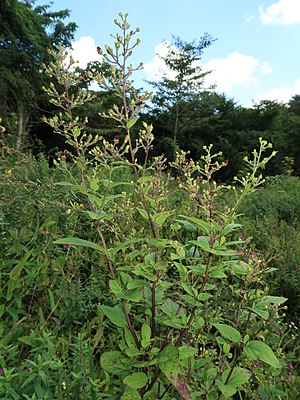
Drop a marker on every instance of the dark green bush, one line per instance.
(271, 216)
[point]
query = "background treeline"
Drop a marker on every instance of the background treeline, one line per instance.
(184, 114)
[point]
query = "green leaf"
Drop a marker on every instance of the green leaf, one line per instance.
(114, 287)
(198, 223)
(12, 285)
(227, 390)
(159, 243)
(172, 372)
(129, 395)
(15, 272)
(2, 309)
(133, 295)
(228, 332)
(262, 352)
(131, 122)
(144, 179)
(80, 242)
(261, 312)
(113, 362)
(187, 351)
(77, 188)
(143, 213)
(136, 380)
(238, 378)
(170, 308)
(229, 228)
(96, 200)
(273, 300)
(135, 283)
(115, 315)
(238, 267)
(160, 218)
(170, 352)
(27, 340)
(187, 225)
(217, 273)
(187, 288)
(146, 335)
(99, 215)
(173, 322)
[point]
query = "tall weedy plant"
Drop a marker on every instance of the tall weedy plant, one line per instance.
(189, 315)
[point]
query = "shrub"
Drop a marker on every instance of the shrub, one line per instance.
(143, 295)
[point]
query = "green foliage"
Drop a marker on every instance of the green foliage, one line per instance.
(271, 216)
(126, 282)
(26, 32)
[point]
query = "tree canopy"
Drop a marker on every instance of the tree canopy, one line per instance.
(26, 31)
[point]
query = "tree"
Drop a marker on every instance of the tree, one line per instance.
(177, 96)
(26, 31)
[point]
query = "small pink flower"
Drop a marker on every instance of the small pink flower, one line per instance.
(66, 246)
(1, 372)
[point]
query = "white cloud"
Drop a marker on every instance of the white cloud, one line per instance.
(157, 68)
(235, 69)
(282, 12)
(282, 94)
(84, 51)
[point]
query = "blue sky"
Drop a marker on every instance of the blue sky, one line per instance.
(256, 55)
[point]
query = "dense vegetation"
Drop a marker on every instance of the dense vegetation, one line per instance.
(125, 275)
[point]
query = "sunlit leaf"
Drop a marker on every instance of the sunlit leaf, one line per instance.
(136, 380)
(262, 352)
(228, 332)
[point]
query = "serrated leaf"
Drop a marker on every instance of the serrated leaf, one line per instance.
(136, 380)
(228, 332)
(262, 352)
